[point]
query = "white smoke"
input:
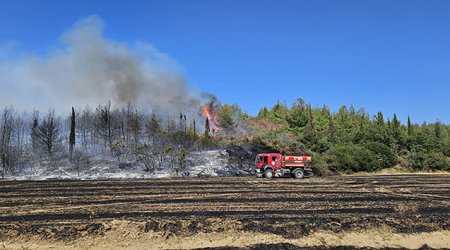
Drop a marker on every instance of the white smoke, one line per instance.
(91, 70)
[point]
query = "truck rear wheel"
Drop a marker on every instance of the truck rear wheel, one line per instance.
(299, 173)
(268, 173)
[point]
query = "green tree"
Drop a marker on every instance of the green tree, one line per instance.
(396, 134)
(438, 130)
(310, 118)
(227, 114)
(344, 124)
(297, 116)
(446, 147)
(278, 113)
(384, 154)
(410, 129)
(331, 131)
(379, 119)
(352, 158)
(263, 113)
(420, 159)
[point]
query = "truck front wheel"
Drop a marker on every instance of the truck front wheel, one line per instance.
(299, 173)
(268, 174)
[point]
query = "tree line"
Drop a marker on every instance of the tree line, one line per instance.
(88, 135)
(347, 140)
(351, 140)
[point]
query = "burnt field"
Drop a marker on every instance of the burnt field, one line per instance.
(290, 208)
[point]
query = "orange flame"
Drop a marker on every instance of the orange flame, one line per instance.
(211, 114)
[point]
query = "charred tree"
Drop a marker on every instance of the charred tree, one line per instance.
(48, 137)
(195, 129)
(103, 123)
(6, 133)
(154, 129)
(72, 133)
(207, 128)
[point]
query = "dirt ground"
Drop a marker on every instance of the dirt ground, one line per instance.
(407, 211)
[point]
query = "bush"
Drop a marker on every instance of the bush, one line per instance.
(277, 140)
(446, 147)
(437, 161)
(385, 154)
(340, 158)
(352, 158)
(422, 160)
(319, 165)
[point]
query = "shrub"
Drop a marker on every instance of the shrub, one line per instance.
(385, 154)
(446, 147)
(422, 160)
(437, 161)
(320, 167)
(340, 158)
(352, 158)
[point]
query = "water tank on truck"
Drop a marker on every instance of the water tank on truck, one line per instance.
(271, 165)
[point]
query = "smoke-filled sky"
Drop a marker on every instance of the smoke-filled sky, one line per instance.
(384, 55)
(89, 69)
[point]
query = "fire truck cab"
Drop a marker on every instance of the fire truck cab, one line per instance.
(276, 165)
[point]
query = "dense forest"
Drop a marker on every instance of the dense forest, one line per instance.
(352, 140)
(347, 140)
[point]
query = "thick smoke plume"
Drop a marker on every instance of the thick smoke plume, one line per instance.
(90, 69)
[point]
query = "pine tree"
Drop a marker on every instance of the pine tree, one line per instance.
(103, 123)
(171, 126)
(331, 131)
(298, 114)
(438, 130)
(185, 124)
(225, 115)
(34, 128)
(72, 133)
(379, 119)
(396, 134)
(395, 123)
(278, 113)
(263, 113)
(195, 129)
(154, 128)
(409, 126)
(48, 135)
(207, 128)
(310, 118)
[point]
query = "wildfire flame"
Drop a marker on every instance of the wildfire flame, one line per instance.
(209, 112)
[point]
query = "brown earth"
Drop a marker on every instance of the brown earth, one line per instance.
(364, 212)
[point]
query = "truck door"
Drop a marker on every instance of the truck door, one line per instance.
(275, 161)
(261, 161)
(265, 160)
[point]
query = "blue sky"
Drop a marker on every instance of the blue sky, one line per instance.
(390, 56)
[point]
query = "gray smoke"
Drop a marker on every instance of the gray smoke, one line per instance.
(90, 69)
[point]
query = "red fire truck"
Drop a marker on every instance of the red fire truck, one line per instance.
(276, 165)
